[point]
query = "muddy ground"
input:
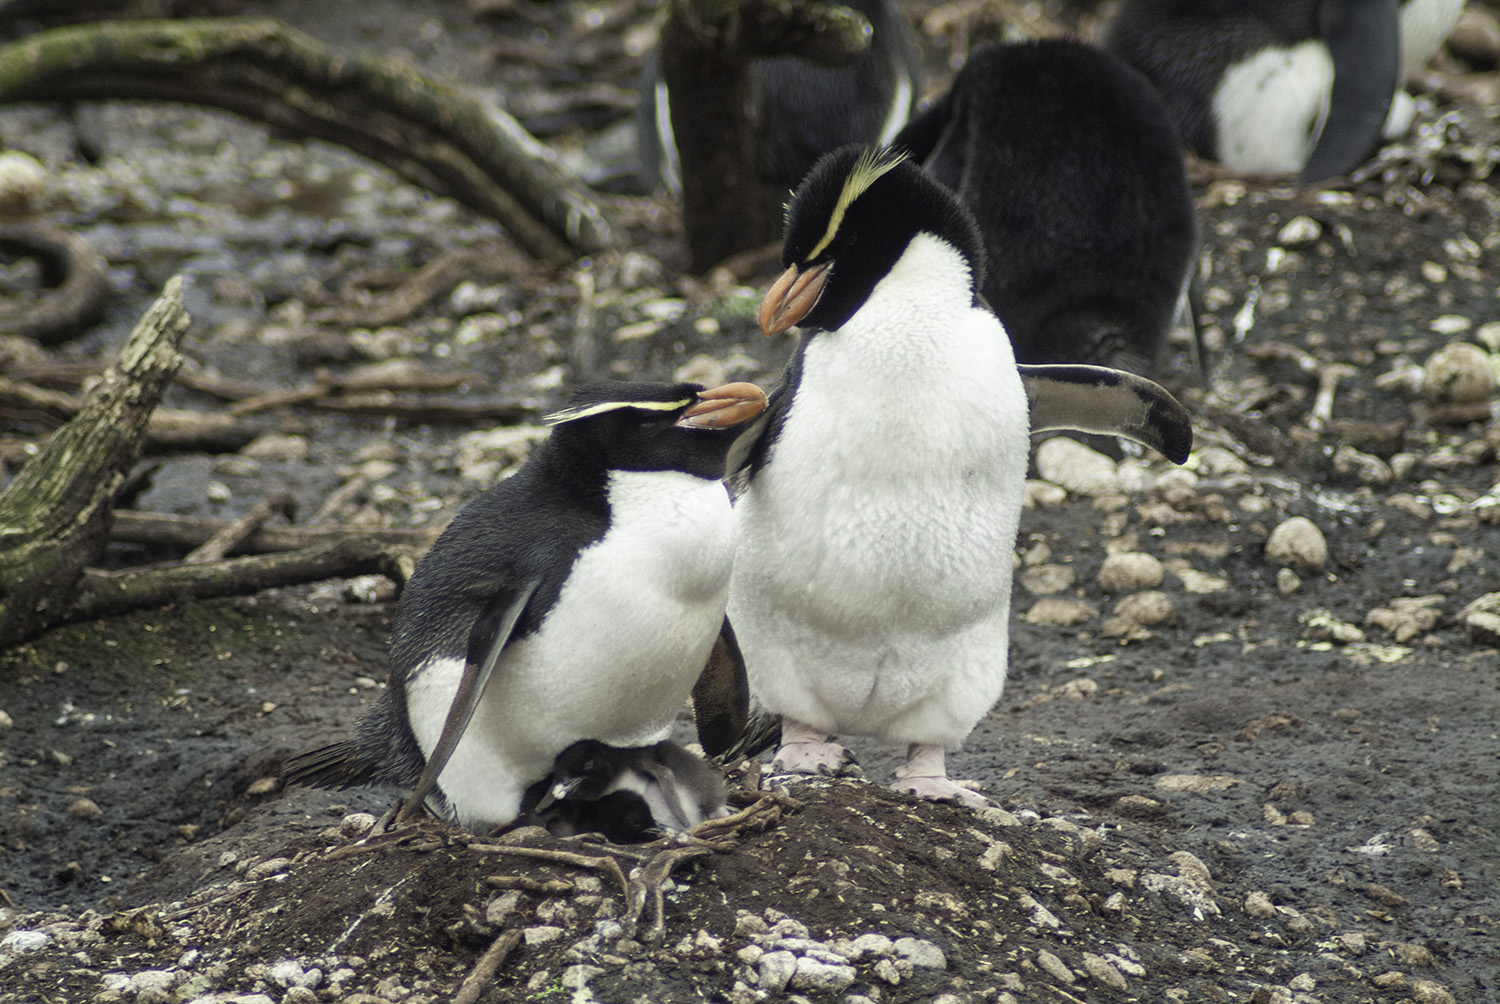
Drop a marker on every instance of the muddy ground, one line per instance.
(1224, 775)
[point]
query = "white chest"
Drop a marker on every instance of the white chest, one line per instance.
(1270, 108)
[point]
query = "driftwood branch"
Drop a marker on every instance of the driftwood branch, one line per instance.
(186, 533)
(71, 265)
(707, 47)
(430, 134)
(54, 515)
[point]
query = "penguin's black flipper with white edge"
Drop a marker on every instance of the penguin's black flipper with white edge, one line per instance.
(721, 697)
(1110, 402)
(488, 638)
(1364, 40)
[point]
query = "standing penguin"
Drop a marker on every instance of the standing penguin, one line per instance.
(1281, 86)
(579, 598)
(627, 793)
(1072, 168)
(803, 110)
(877, 525)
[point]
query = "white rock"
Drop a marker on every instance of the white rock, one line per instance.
(21, 941)
(541, 934)
(920, 953)
(1044, 580)
(289, 973)
(277, 446)
(1069, 464)
(1102, 970)
(1059, 612)
(1298, 542)
(1129, 572)
(1147, 608)
(23, 180)
(1458, 373)
(822, 977)
(1054, 967)
(1259, 905)
(356, 824)
(871, 944)
(1299, 230)
(5, 720)
(775, 970)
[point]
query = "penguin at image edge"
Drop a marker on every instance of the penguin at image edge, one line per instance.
(582, 597)
(1304, 87)
(880, 504)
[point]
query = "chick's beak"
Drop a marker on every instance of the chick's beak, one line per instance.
(724, 407)
(791, 297)
(558, 792)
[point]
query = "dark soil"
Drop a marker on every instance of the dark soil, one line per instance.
(1260, 793)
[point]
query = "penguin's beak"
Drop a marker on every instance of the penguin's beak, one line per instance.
(791, 297)
(558, 792)
(724, 407)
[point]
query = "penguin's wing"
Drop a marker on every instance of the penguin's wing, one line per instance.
(1364, 39)
(492, 631)
(1112, 402)
(721, 697)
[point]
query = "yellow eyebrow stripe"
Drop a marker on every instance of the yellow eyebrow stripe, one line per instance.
(573, 414)
(867, 170)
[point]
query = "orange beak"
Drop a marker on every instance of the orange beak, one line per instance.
(724, 407)
(791, 297)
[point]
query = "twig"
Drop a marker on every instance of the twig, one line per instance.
(489, 963)
(604, 864)
(236, 532)
(551, 887)
(653, 876)
(187, 532)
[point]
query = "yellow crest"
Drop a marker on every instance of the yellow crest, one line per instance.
(866, 171)
(585, 411)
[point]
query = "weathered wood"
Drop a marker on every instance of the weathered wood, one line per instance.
(432, 135)
(71, 265)
(187, 532)
(54, 515)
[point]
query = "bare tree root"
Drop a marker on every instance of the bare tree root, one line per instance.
(432, 135)
(69, 263)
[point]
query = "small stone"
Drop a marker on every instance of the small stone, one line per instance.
(775, 970)
(870, 944)
(1298, 542)
(1409, 954)
(502, 906)
(1148, 608)
(84, 808)
(277, 446)
(541, 935)
(267, 868)
(821, 977)
(1364, 467)
(1406, 617)
(1258, 905)
(1054, 967)
(356, 824)
(1299, 230)
(920, 953)
(1458, 373)
(21, 941)
(1069, 464)
(1287, 581)
(23, 180)
(1302, 983)
(1196, 784)
(1130, 572)
(1055, 612)
(1044, 580)
(887, 970)
(1429, 992)
(1100, 969)
(5, 720)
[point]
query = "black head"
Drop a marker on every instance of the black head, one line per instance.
(654, 427)
(847, 224)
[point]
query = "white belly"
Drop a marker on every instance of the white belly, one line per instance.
(1270, 108)
(615, 659)
(871, 590)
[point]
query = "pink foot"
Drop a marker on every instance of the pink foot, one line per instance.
(805, 750)
(925, 774)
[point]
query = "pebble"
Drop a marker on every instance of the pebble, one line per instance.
(1129, 572)
(1287, 581)
(1458, 373)
(356, 824)
(1258, 904)
(541, 934)
(1406, 617)
(822, 977)
(920, 953)
(1054, 967)
(1044, 580)
(23, 180)
(1429, 992)
(1059, 613)
(1069, 464)
(267, 868)
(1298, 542)
(775, 970)
(1102, 970)
(1363, 467)
(84, 808)
(1149, 608)
(277, 446)
(21, 941)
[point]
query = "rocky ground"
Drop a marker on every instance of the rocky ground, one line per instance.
(1248, 750)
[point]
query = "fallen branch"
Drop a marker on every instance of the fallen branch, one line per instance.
(54, 515)
(489, 963)
(71, 265)
(188, 532)
(430, 134)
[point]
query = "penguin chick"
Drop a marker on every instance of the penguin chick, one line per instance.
(877, 524)
(578, 598)
(803, 110)
(1072, 168)
(1281, 86)
(678, 789)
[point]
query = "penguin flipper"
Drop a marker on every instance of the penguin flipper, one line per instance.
(721, 696)
(488, 638)
(1364, 40)
(1107, 401)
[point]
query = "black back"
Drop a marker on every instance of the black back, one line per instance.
(1073, 169)
(529, 527)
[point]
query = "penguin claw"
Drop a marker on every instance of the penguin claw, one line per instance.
(942, 789)
(827, 759)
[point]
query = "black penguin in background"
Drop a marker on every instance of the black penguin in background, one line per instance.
(1072, 168)
(579, 598)
(1281, 86)
(629, 794)
(803, 110)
